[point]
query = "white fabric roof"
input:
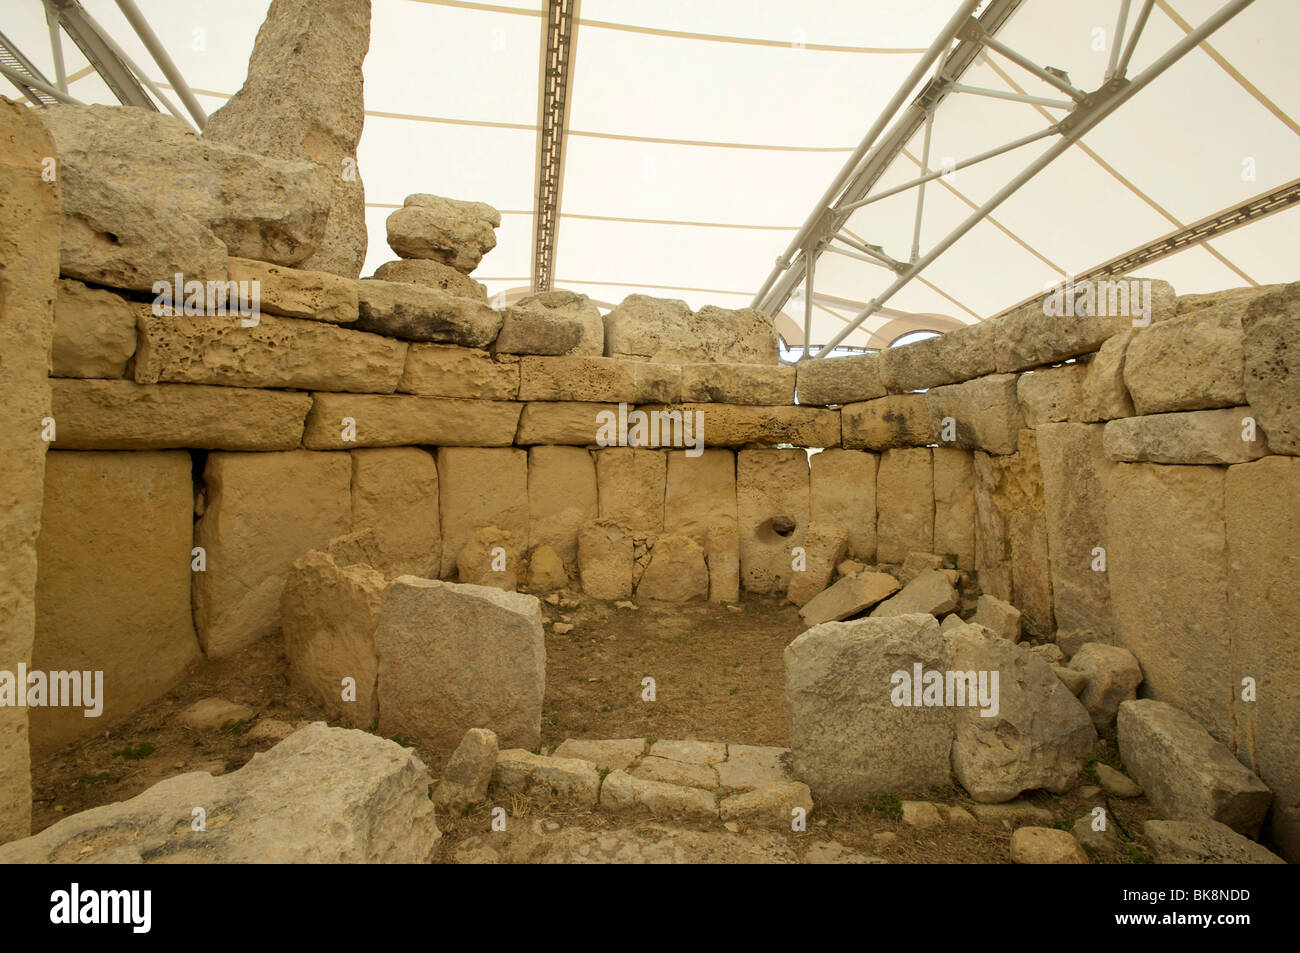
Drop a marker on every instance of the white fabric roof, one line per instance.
(702, 133)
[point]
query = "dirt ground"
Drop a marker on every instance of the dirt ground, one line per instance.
(718, 676)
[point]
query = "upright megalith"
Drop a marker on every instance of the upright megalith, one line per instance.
(303, 99)
(29, 274)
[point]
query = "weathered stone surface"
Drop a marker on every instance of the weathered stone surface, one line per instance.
(546, 570)
(1076, 682)
(954, 505)
(1011, 814)
(1035, 734)
(262, 511)
(676, 573)
(110, 597)
(122, 415)
(1116, 783)
(480, 487)
(445, 370)
(917, 563)
(904, 504)
(843, 490)
(1188, 363)
(984, 414)
(645, 842)
(347, 421)
(605, 559)
(613, 754)
(1103, 395)
(329, 611)
(1203, 842)
(432, 274)
(753, 766)
(690, 752)
(94, 332)
(848, 597)
(722, 554)
(1000, 618)
(824, 545)
(568, 781)
(417, 313)
(538, 332)
(1270, 344)
(455, 657)
(630, 487)
(770, 485)
(771, 805)
(276, 353)
(29, 248)
(675, 772)
(737, 425)
(554, 309)
(921, 814)
(761, 384)
(1198, 436)
(848, 739)
(300, 293)
(899, 420)
(1185, 773)
(1051, 394)
(491, 557)
(579, 377)
(141, 176)
(564, 423)
(1045, 845)
(1113, 677)
(1074, 467)
(664, 330)
(1173, 517)
(208, 713)
(451, 231)
(323, 795)
(622, 793)
(958, 355)
(1263, 576)
(561, 498)
(303, 100)
(930, 592)
(395, 493)
(699, 492)
(840, 380)
(468, 773)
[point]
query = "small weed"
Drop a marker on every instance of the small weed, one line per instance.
(891, 805)
(650, 742)
(604, 772)
(734, 690)
(90, 780)
(1090, 850)
(402, 740)
(1136, 855)
(136, 752)
(235, 726)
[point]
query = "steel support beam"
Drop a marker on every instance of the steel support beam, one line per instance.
(559, 29)
(29, 80)
(164, 61)
(115, 73)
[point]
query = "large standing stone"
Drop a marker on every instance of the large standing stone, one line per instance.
(677, 572)
(1187, 363)
(561, 498)
(303, 100)
(699, 492)
(480, 487)
(1270, 347)
(1186, 774)
(395, 494)
(322, 796)
(1177, 623)
(983, 414)
(552, 322)
(606, 559)
(664, 330)
(848, 737)
(899, 420)
(94, 332)
(347, 421)
(904, 504)
(1263, 578)
(630, 486)
(446, 370)
(329, 612)
(109, 597)
(772, 508)
(455, 657)
(132, 178)
(262, 511)
(29, 250)
(954, 505)
(418, 313)
(1197, 436)
(451, 231)
(840, 380)
(1035, 734)
(843, 488)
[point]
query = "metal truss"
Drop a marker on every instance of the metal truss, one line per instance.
(852, 187)
(552, 123)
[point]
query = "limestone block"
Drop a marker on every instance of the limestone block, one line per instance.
(770, 805)
(1271, 367)
(491, 557)
(722, 554)
(605, 560)
(563, 423)
(773, 510)
(1103, 395)
(1045, 845)
(630, 485)
(843, 490)
(929, 593)
(622, 793)
(904, 504)
(453, 657)
(848, 597)
(955, 356)
(824, 545)
(840, 380)
(299, 293)
(395, 494)
(665, 331)
(432, 274)
(762, 384)
(420, 313)
(1188, 363)
(1051, 394)
(113, 584)
(1197, 436)
(480, 487)
(451, 231)
(1203, 842)
(346, 421)
(699, 492)
(597, 379)
(262, 511)
(614, 754)
(94, 332)
(983, 414)
(446, 370)
(570, 307)
(468, 773)
(954, 505)
(123, 415)
(676, 573)
(1113, 678)
(736, 425)
(571, 782)
(1000, 618)
(899, 420)
(546, 570)
(561, 498)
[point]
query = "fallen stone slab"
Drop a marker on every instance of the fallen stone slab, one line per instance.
(931, 592)
(922, 815)
(1203, 842)
(1197, 436)
(298, 292)
(621, 793)
(1116, 783)
(1113, 675)
(824, 546)
(651, 768)
(123, 415)
(1045, 845)
(418, 313)
(777, 805)
(322, 796)
(1186, 774)
(1012, 814)
(613, 754)
(1000, 618)
(568, 781)
(468, 773)
(454, 232)
(348, 421)
(848, 597)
